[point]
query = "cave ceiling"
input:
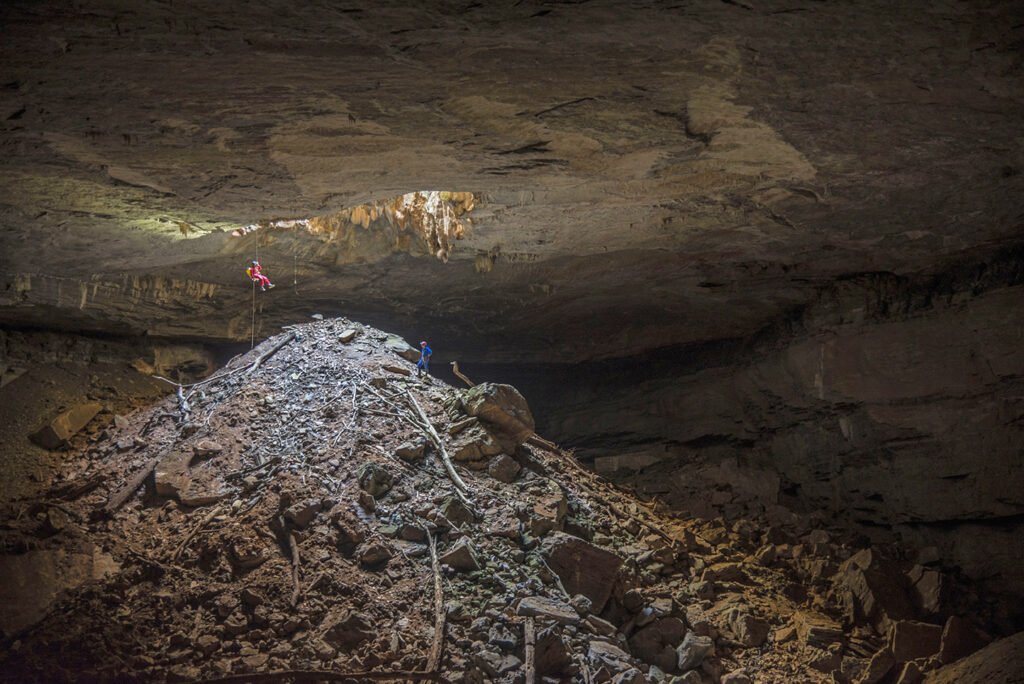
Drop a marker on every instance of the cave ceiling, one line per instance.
(645, 174)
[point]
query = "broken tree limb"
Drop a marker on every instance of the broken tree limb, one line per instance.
(126, 492)
(563, 104)
(455, 369)
(266, 355)
(530, 639)
(432, 433)
(195, 530)
(295, 568)
(182, 405)
(436, 648)
(249, 368)
(538, 441)
(324, 676)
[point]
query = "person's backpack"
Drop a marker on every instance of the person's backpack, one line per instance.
(248, 272)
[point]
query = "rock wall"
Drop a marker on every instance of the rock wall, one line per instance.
(905, 416)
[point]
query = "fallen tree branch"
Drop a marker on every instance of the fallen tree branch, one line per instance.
(118, 499)
(436, 648)
(324, 676)
(530, 639)
(432, 433)
(455, 369)
(72, 489)
(182, 405)
(251, 367)
(195, 530)
(245, 471)
(538, 441)
(295, 568)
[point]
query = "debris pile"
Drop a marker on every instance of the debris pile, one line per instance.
(315, 511)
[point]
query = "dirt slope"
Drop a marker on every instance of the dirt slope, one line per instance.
(278, 521)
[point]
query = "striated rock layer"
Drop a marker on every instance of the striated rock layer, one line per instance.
(775, 244)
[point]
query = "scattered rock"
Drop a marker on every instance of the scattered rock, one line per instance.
(347, 335)
(880, 665)
(462, 556)
(552, 656)
(121, 423)
(909, 640)
(583, 567)
(600, 626)
(749, 630)
(815, 629)
(455, 511)
(606, 653)
(692, 651)
(475, 444)
(410, 451)
(736, 677)
(58, 431)
(581, 604)
(374, 553)
(173, 478)
(504, 468)
(539, 606)
(205, 448)
(374, 479)
(346, 629)
(656, 643)
(398, 370)
(303, 513)
(399, 346)
(959, 640)
(870, 587)
(630, 676)
(207, 644)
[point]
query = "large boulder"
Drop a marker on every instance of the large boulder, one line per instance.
(910, 640)
(871, 588)
(503, 410)
(656, 643)
(58, 431)
(34, 580)
(583, 568)
(399, 346)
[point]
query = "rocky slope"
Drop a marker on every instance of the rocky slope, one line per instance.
(314, 510)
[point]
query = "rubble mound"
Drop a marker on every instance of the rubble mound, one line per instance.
(314, 511)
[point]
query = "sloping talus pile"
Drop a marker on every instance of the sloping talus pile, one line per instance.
(314, 511)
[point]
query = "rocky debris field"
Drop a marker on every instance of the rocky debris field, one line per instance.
(315, 511)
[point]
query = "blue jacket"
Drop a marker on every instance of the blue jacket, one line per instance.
(425, 352)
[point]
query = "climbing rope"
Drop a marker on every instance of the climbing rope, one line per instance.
(252, 326)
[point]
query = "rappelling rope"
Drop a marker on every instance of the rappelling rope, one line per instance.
(252, 325)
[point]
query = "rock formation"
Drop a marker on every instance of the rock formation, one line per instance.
(294, 515)
(751, 257)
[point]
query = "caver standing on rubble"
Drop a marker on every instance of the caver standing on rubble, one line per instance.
(423, 363)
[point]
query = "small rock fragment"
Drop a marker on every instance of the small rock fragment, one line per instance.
(504, 468)
(540, 606)
(462, 556)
